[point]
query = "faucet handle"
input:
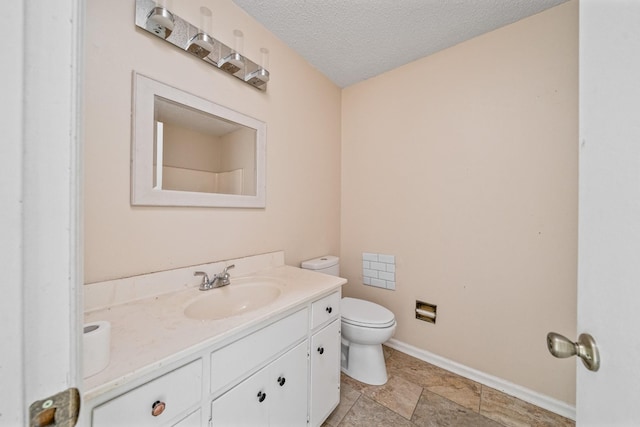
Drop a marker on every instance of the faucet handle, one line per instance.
(224, 276)
(205, 277)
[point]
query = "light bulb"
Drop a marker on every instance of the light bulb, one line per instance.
(238, 41)
(205, 20)
(264, 58)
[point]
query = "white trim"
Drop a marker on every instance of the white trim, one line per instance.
(11, 257)
(159, 154)
(51, 205)
(41, 221)
(522, 393)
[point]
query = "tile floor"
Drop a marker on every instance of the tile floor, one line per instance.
(420, 394)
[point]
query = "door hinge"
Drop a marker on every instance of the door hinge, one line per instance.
(61, 410)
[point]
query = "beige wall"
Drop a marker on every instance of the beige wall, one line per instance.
(189, 149)
(238, 152)
(464, 166)
(201, 162)
(302, 111)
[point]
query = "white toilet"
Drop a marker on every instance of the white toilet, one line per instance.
(365, 326)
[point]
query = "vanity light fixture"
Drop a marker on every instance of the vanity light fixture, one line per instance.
(233, 63)
(260, 76)
(202, 44)
(156, 18)
(160, 22)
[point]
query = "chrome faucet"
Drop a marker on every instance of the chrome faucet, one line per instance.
(219, 280)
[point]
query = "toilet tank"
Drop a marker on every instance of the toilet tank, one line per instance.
(327, 264)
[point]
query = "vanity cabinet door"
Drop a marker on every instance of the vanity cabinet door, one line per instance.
(289, 380)
(276, 395)
(244, 405)
(325, 372)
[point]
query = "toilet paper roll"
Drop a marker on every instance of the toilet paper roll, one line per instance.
(426, 313)
(96, 341)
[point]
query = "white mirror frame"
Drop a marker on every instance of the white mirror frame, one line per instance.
(143, 192)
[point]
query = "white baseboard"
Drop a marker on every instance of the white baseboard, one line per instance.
(522, 393)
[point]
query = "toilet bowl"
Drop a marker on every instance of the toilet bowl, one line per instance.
(365, 326)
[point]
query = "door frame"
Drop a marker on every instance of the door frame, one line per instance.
(41, 218)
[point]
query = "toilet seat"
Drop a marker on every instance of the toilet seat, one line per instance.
(366, 314)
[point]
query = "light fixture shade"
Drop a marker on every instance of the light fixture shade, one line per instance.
(234, 62)
(160, 22)
(258, 78)
(200, 45)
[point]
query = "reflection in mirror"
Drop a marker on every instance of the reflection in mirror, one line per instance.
(200, 152)
(188, 151)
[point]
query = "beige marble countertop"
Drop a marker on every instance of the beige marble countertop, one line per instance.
(150, 333)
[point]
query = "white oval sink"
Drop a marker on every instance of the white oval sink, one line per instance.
(241, 296)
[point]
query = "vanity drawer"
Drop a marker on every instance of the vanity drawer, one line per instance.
(233, 361)
(178, 390)
(325, 309)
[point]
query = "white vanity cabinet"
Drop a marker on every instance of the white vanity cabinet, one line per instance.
(277, 393)
(284, 371)
(304, 382)
(274, 396)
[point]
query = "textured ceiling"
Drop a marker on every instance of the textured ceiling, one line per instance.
(353, 40)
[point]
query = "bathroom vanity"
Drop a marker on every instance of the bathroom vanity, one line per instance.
(277, 364)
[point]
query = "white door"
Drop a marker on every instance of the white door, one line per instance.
(40, 256)
(609, 219)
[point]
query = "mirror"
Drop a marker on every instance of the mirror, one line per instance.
(188, 151)
(200, 152)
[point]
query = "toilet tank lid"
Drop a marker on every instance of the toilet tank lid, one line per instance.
(320, 263)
